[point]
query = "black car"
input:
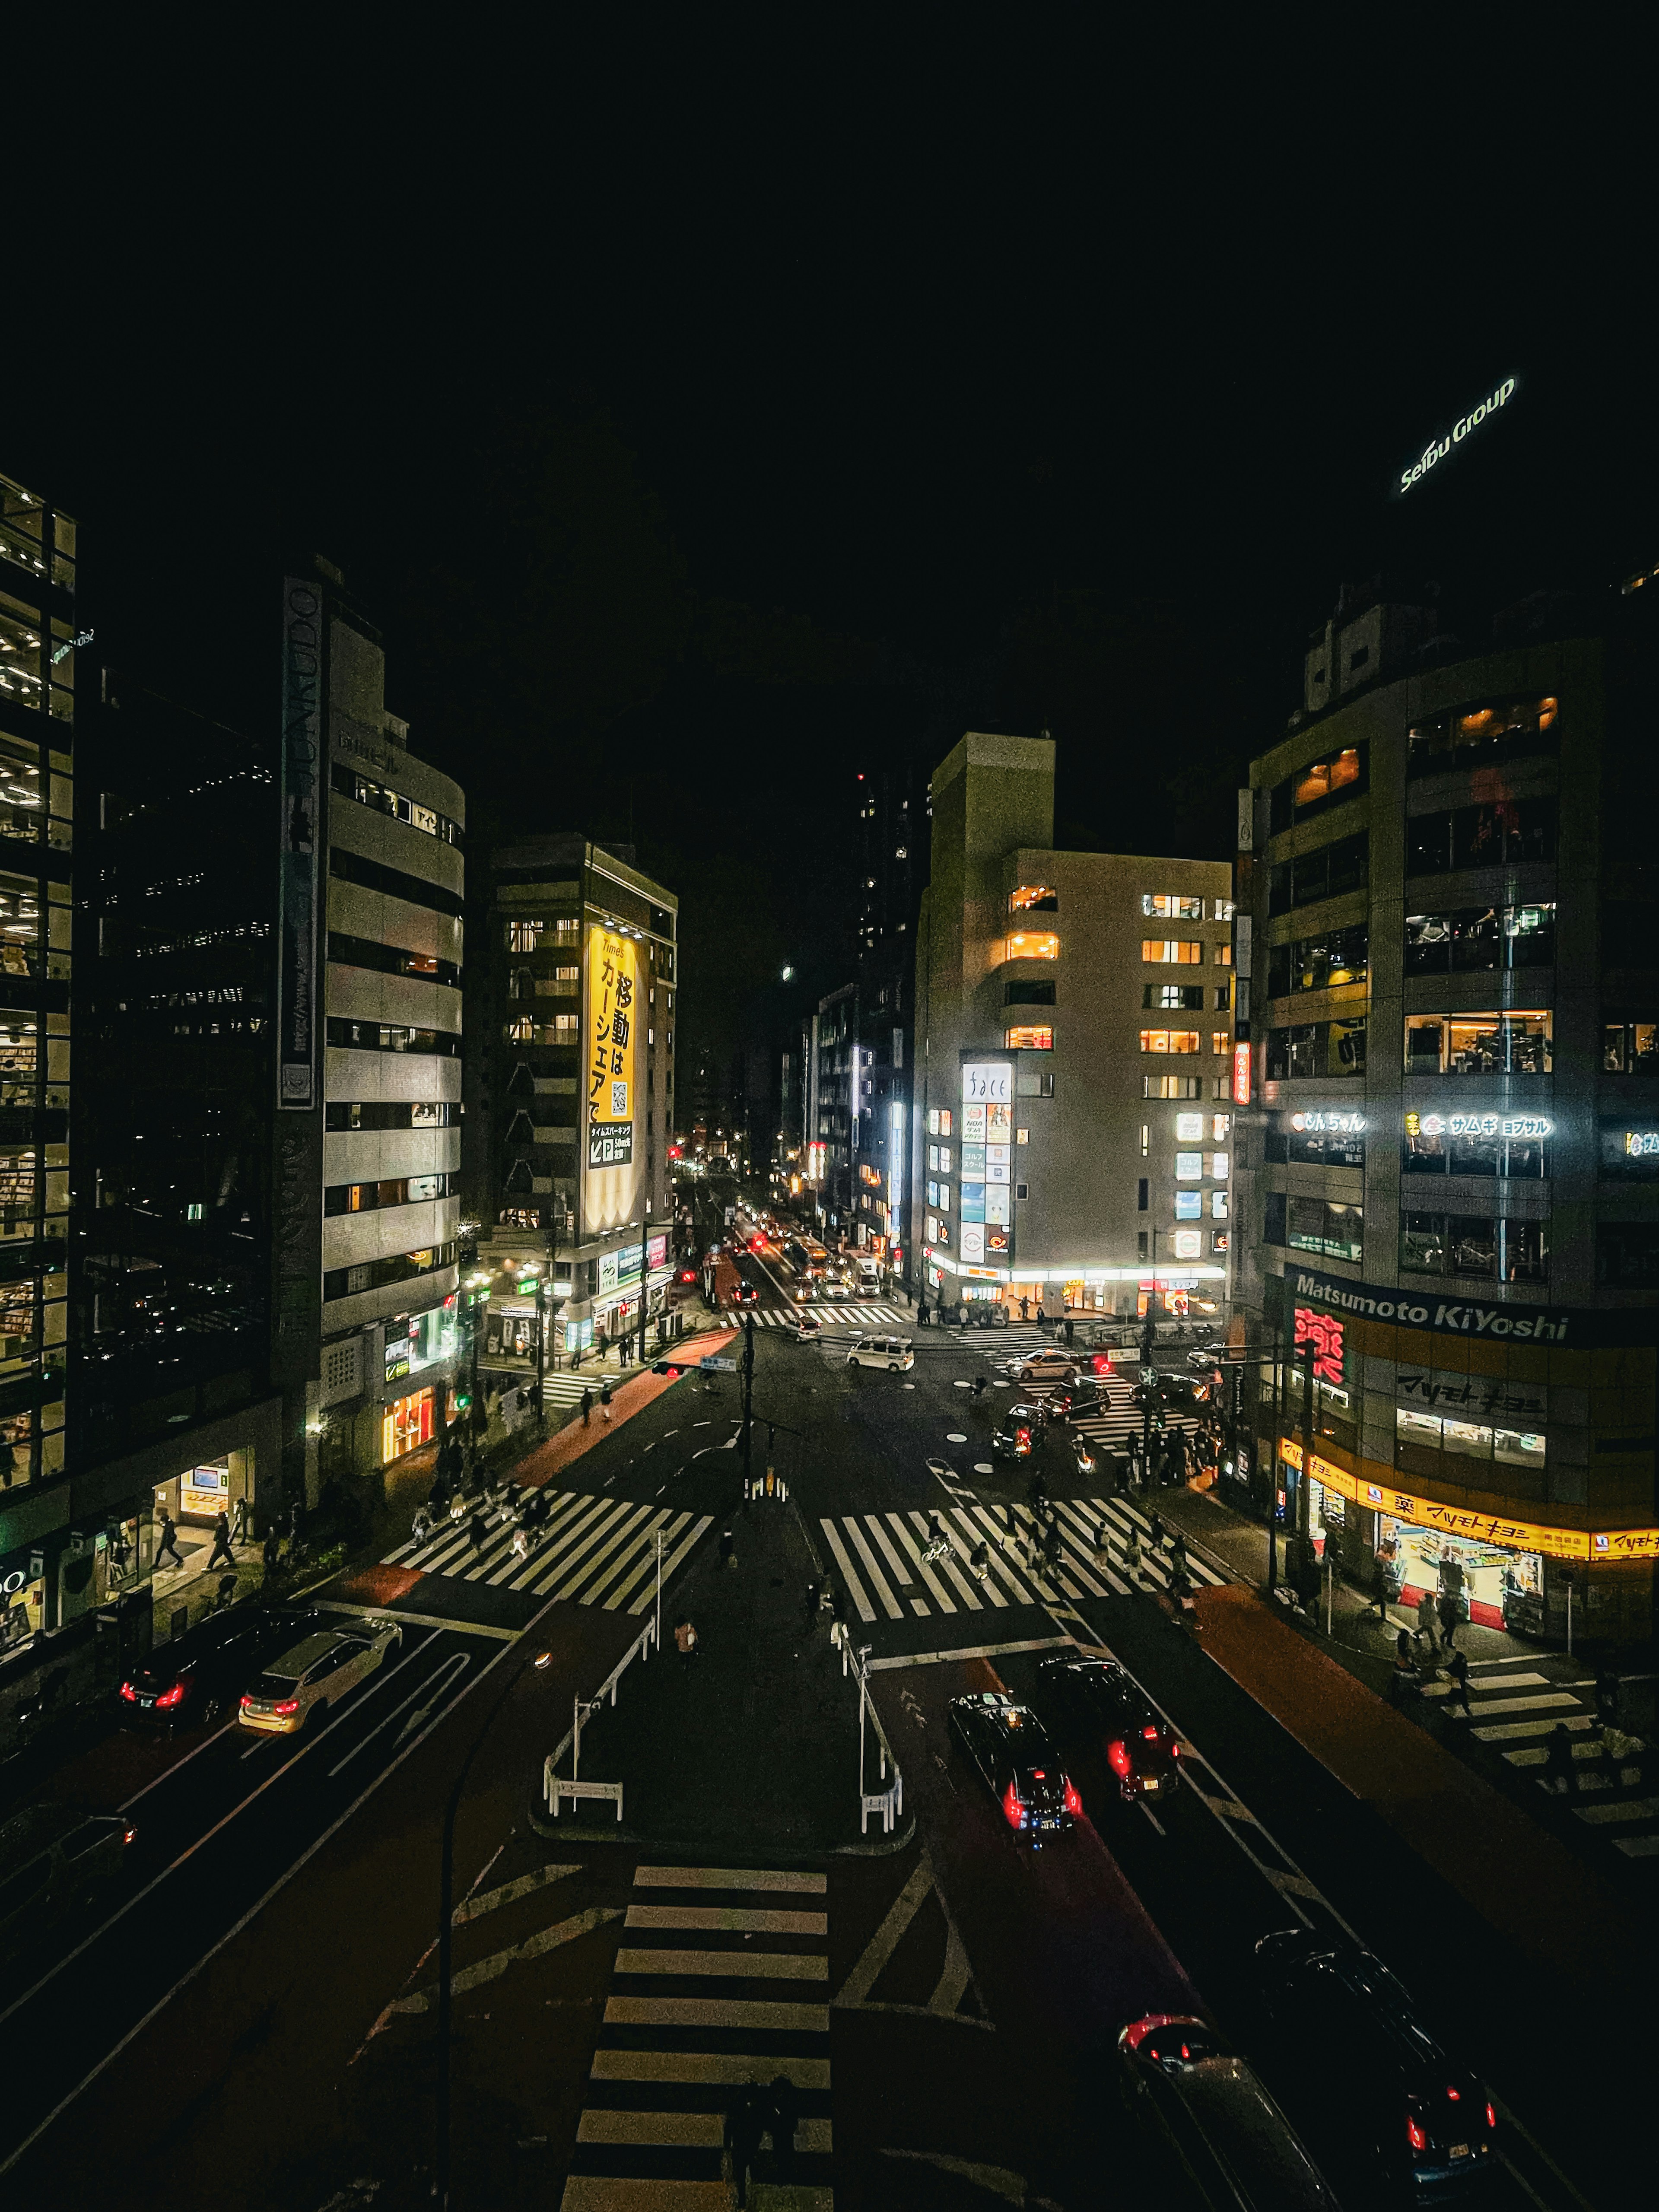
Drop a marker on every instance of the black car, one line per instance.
(1389, 2097)
(1173, 1394)
(1230, 2139)
(1096, 1695)
(200, 1675)
(1086, 1395)
(53, 1858)
(746, 1294)
(1020, 1432)
(1020, 1766)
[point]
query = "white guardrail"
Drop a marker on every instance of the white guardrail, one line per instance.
(557, 1786)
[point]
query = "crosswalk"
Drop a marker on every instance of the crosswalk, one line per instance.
(1614, 1777)
(882, 1558)
(719, 2002)
(587, 1550)
(847, 1315)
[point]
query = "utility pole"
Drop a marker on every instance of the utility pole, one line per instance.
(645, 1271)
(748, 1401)
(541, 1346)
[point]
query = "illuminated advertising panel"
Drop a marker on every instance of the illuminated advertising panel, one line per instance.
(612, 1166)
(1241, 1075)
(988, 1137)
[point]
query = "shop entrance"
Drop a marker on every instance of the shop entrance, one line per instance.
(405, 1424)
(197, 1495)
(1493, 1586)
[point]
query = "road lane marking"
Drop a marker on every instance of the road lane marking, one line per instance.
(738, 1878)
(717, 2012)
(901, 1573)
(730, 1965)
(603, 2124)
(890, 1605)
(647, 1560)
(670, 1563)
(442, 1677)
(420, 1621)
(849, 1573)
(729, 1919)
(970, 1651)
(492, 1968)
(474, 1908)
(723, 2067)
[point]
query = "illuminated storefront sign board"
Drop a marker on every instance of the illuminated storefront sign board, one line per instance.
(1479, 1125)
(1241, 1075)
(1438, 448)
(988, 1082)
(1323, 1331)
(1479, 1528)
(611, 1164)
(1329, 1125)
(1641, 1144)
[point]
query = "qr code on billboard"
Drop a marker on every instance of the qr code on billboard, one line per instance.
(619, 1099)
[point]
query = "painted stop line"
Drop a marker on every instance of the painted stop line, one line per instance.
(955, 1437)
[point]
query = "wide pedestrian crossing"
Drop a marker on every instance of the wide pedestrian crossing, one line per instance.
(587, 1551)
(850, 1316)
(881, 1559)
(713, 2051)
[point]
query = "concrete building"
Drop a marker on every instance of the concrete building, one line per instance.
(1072, 1137)
(1448, 1190)
(574, 1098)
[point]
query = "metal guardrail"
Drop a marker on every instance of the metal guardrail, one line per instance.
(556, 1786)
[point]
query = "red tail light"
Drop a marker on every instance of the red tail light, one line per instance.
(1073, 1802)
(1117, 1757)
(175, 1696)
(1491, 2117)
(1416, 2134)
(129, 1835)
(129, 1693)
(288, 1707)
(1455, 2097)
(1151, 1735)
(1013, 1809)
(1174, 1751)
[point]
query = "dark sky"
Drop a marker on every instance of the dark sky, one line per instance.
(703, 425)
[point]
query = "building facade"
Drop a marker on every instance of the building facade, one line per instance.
(40, 639)
(1450, 1209)
(1072, 1141)
(575, 1091)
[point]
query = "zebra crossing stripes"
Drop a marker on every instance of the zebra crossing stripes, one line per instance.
(881, 1559)
(589, 1550)
(859, 1316)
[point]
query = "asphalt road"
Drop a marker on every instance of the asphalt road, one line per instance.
(249, 2018)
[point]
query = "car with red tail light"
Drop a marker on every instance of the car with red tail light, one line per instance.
(1096, 1697)
(1393, 2101)
(1215, 2119)
(199, 1675)
(299, 1687)
(1018, 1762)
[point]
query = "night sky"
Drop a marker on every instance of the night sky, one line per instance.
(699, 441)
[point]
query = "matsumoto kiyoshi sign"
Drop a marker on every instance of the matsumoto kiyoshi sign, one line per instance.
(1439, 447)
(1415, 1309)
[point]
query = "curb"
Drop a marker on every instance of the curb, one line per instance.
(740, 1854)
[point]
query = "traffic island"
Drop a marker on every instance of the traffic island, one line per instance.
(749, 1748)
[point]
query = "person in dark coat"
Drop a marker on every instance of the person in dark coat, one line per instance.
(1558, 1767)
(785, 2100)
(273, 1553)
(745, 2124)
(1458, 1692)
(587, 1408)
(476, 1530)
(1445, 1608)
(811, 1604)
(604, 1404)
(167, 1541)
(221, 1543)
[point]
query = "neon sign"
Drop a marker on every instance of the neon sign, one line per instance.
(1438, 448)
(1241, 1075)
(1642, 1143)
(1323, 1331)
(1481, 1125)
(1329, 1125)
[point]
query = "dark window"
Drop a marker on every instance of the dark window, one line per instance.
(1140, 1244)
(1318, 964)
(1317, 1049)
(1272, 1218)
(1317, 1149)
(376, 1274)
(351, 785)
(401, 1190)
(1028, 994)
(390, 959)
(1503, 833)
(1176, 998)
(1471, 938)
(352, 868)
(389, 1037)
(1474, 736)
(1317, 1225)
(1512, 1148)
(1627, 1253)
(1143, 1195)
(341, 1113)
(1473, 1244)
(1630, 1047)
(1326, 872)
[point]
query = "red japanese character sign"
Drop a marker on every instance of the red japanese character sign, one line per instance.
(1324, 1333)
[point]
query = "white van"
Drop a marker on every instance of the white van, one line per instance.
(870, 1276)
(892, 1352)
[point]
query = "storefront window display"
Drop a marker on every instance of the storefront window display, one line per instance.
(200, 1493)
(405, 1424)
(1490, 1582)
(22, 1598)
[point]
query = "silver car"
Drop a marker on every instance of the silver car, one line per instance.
(1216, 2119)
(300, 1687)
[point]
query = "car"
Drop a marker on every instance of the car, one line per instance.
(1019, 1431)
(746, 1294)
(199, 1675)
(1019, 1766)
(1405, 2109)
(1174, 1394)
(1081, 1394)
(1204, 1364)
(299, 1687)
(1216, 2119)
(53, 1858)
(895, 1353)
(1045, 1367)
(1141, 1749)
(803, 1327)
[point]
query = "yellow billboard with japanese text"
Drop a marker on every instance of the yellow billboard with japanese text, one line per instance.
(612, 1161)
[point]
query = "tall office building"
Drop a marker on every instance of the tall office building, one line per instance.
(1074, 1064)
(573, 1097)
(1450, 1194)
(39, 638)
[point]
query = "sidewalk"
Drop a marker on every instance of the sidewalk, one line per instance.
(754, 1745)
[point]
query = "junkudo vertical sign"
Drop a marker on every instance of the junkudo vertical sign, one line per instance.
(611, 1000)
(298, 1086)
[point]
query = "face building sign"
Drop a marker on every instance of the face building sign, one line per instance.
(611, 1005)
(1438, 448)
(988, 1137)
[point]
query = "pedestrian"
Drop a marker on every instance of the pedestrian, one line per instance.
(1446, 1606)
(1025, 1309)
(476, 1530)
(1557, 1766)
(420, 1528)
(1428, 1625)
(1156, 1530)
(1100, 1535)
(1132, 1557)
(272, 1551)
(1178, 1554)
(1405, 1667)
(745, 2124)
(785, 2100)
(167, 1541)
(728, 1549)
(227, 1592)
(239, 1523)
(980, 1559)
(221, 1543)
(587, 1408)
(1458, 1692)
(604, 1404)
(685, 1642)
(811, 1603)
(1607, 1697)
(521, 1542)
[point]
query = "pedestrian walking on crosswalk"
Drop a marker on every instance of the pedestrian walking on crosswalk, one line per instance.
(587, 1408)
